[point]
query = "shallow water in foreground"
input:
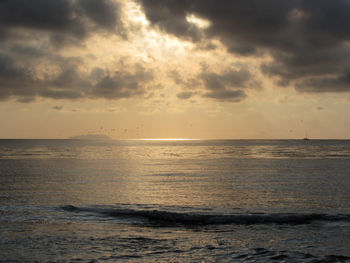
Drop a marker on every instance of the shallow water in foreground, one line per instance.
(180, 201)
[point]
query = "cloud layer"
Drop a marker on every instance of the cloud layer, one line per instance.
(60, 18)
(299, 43)
(307, 39)
(33, 34)
(70, 83)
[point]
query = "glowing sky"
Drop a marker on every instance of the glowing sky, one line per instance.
(175, 69)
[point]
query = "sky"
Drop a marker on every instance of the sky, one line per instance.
(208, 69)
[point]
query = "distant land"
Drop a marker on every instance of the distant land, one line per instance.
(92, 137)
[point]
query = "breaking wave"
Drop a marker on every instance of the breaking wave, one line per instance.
(196, 218)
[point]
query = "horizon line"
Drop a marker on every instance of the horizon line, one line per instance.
(177, 139)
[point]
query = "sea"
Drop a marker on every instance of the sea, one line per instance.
(175, 201)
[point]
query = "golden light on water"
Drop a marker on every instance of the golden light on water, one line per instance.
(169, 139)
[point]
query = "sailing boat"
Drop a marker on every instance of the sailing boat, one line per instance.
(306, 138)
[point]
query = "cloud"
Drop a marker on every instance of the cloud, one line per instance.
(103, 12)
(227, 95)
(69, 82)
(228, 85)
(36, 51)
(339, 83)
(228, 79)
(308, 40)
(171, 17)
(65, 18)
(21, 81)
(15, 80)
(46, 47)
(121, 84)
(185, 95)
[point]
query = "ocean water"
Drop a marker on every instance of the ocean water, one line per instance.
(175, 201)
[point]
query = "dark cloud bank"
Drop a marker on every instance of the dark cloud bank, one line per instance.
(229, 85)
(32, 32)
(308, 39)
(70, 84)
(60, 18)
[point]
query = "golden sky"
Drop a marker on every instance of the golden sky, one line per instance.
(175, 69)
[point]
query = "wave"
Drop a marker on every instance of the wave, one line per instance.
(195, 218)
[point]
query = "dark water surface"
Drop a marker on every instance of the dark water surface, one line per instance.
(177, 201)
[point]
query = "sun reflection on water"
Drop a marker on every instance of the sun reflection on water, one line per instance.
(168, 139)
